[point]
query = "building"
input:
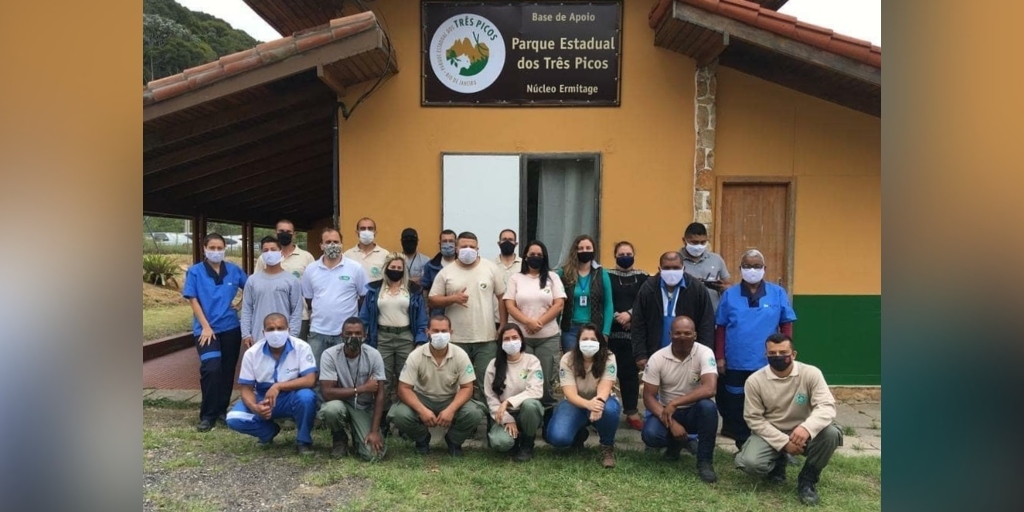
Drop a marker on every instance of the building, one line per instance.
(726, 112)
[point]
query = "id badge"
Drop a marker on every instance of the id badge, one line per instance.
(583, 301)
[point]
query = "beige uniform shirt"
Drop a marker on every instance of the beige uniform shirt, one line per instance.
(523, 380)
(587, 386)
(373, 263)
(296, 264)
(774, 406)
(474, 322)
(438, 382)
(677, 377)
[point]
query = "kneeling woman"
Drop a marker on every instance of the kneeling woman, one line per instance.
(587, 375)
(513, 385)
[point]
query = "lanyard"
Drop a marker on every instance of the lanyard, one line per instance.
(670, 302)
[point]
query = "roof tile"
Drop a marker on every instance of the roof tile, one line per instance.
(740, 10)
(237, 56)
(198, 70)
(312, 40)
(197, 80)
(167, 91)
(812, 35)
(280, 50)
(167, 80)
(239, 66)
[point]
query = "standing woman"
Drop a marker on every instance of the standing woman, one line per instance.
(587, 374)
(210, 288)
(626, 282)
(534, 298)
(591, 297)
(513, 385)
(395, 317)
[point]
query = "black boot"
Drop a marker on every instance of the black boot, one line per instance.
(778, 474)
(525, 448)
(706, 471)
(580, 439)
(423, 445)
(455, 450)
(806, 482)
(673, 449)
(339, 444)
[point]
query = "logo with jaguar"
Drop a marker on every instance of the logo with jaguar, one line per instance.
(467, 53)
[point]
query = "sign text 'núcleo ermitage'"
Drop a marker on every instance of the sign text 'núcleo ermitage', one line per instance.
(521, 53)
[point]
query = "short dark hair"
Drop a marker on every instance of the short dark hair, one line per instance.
(447, 232)
(440, 318)
(779, 337)
(468, 235)
(274, 316)
(285, 221)
(213, 236)
(508, 230)
(696, 228)
(269, 238)
(354, 320)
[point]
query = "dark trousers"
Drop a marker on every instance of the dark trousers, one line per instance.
(217, 361)
(730, 399)
(629, 376)
(700, 418)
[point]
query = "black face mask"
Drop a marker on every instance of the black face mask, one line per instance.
(285, 239)
(394, 275)
(507, 248)
(780, 363)
(585, 257)
(535, 262)
(624, 261)
(409, 246)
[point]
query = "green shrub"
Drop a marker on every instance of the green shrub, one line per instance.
(160, 269)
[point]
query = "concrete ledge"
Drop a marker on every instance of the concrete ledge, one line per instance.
(164, 346)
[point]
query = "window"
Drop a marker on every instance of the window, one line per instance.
(561, 201)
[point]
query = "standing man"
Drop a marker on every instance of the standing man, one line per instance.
(277, 377)
(468, 291)
(271, 290)
(294, 261)
(435, 390)
(370, 255)
(703, 264)
(666, 295)
(352, 382)
(747, 315)
(508, 261)
(679, 383)
(414, 261)
(791, 411)
(445, 255)
(333, 287)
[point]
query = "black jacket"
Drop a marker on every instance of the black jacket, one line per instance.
(647, 321)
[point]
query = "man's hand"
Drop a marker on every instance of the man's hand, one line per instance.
(800, 436)
(721, 366)
(501, 412)
(206, 335)
(512, 429)
(678, 431)
(247, 342)
(428, 418)
(792, 449)
(370, 386)
(666, 415)
(445, 418)
(271, 397)
(622, 318)
(461, 298)
(263, 410)
(374, 441)
(641, 364)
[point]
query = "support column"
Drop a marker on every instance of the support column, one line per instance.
(198, 234)
(704, 152)
(248, 256)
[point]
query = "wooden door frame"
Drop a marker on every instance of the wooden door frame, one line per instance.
(790, 182)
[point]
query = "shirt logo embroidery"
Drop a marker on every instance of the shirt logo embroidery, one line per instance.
(469, 369)
(483, 286)
(611, 369)
(297, 274)
(524, 374)
(344, 278)
(309, 357)
(800, 399)
(561, 373)
(375, 271)
(712, 362)
(538, 375)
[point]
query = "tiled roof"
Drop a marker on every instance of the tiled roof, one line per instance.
(782, 24)
(262, 55)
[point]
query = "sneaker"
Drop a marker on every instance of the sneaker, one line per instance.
(204, 426)
(607, 456)
(304, 449)
(706, 471)
(423, 445)
(455, 450)
(339, 444)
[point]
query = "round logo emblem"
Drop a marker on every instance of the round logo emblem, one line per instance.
(467, 53)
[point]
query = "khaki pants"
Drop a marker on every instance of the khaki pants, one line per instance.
(338, 415)
(757, 457)
(481, 354)
(548, 350)
(528, 419)
(466, 420)
(394, 349)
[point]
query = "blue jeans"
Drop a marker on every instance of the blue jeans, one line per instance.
(300, 405)
(568, 419)
(700, 418)
(569, 338)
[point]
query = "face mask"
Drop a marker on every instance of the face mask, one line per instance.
(585, 257)
(394, 275)
(409, 246)
(672, 277)
(332, 251)
(285, 239)
(512, 346)
(624, 261)
(467, 255)
(780, 363)
(589, 347)
(507, 248)
(696, 250)
(535, 262)
(352, 343)
(276, 339)
(439, 340)
(366, 237)
(752, 275)
(215, 256)
(272, 258)
(448, 249)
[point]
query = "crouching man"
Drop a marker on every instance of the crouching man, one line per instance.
(277, 378)
(352, 382)
(789, 409)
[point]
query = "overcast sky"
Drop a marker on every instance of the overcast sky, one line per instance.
(855, 18)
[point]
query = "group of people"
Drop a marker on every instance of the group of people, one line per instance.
(367, 339)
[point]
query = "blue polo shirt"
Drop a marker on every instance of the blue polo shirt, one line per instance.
(215, 294)
(668, 310)
(749, 320)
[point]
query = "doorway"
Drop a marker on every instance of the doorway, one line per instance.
(757, 213)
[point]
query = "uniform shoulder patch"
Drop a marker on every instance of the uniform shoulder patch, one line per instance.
(309, 357)
(712, 362)
(538, 375)
(469, 369)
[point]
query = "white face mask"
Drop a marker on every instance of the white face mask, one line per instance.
(272, 258)
(467, 255)
(672, 276)
(696, 250)
(366, 237)
(439, 340)
(589, 347)
(215, 256)
(752, 275)
(276, 339)
(512, 346)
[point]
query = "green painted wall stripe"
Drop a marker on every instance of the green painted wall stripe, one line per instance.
(842, 335)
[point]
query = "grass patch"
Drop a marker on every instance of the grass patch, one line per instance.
(164, 502)
(185, 461)
(164, 321)
(166, 403)
(850, 431)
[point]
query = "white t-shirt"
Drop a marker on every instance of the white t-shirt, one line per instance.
(335, 293)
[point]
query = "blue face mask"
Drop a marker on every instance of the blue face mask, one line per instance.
(448, 249)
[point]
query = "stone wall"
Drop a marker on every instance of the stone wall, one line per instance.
(704, 152)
